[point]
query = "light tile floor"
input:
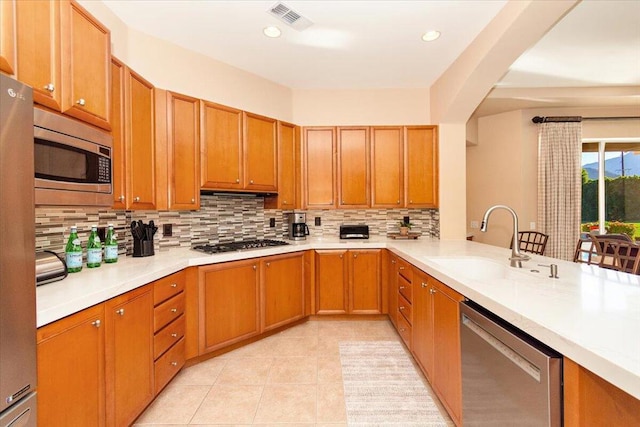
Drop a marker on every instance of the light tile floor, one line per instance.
(293, 378)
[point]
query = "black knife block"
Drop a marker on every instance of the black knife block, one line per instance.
(143, 247)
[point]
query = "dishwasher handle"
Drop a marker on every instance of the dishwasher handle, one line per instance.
(509, 353)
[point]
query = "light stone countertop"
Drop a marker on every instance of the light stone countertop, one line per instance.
(588, 314)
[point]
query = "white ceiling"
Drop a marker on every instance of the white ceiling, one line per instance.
(376, 44)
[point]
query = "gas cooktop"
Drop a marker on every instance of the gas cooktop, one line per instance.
(238, 246)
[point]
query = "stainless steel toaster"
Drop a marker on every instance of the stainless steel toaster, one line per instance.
(49, 268)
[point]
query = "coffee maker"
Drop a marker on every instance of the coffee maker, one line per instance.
(298, 229)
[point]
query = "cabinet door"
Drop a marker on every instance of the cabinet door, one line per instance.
(38, 40)
(71, 379)
(282, 290)
(183, 132)
(364, 282)
(353, 167)
(229, 304)
(422, 341)
(421, 167)
(86, 57)
(221, 147)
(319, 167)
(118, 153)
(7, 37)
(331, 282)
(447, 376)
(288, 169)
(392, 286)
(140, 142)
(260, 153)
(129, 355)
(387, 167)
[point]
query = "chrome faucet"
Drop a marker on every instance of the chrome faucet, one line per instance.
(516, 256)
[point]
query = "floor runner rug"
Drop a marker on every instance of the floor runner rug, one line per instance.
(383, 388)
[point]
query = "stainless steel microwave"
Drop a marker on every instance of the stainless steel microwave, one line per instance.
(72, 162)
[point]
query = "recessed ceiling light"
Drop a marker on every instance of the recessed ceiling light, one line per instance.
(272, 32)
(430, 36)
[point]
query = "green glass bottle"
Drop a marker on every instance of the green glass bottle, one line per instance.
(94, 249)
(73, 252)
(110, 246)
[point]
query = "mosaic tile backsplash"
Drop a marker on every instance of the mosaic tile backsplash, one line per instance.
(221, 218)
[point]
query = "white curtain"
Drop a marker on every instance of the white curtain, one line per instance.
(560, 186)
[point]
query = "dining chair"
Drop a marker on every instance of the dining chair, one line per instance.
(620, 255)
(586, 250)
(533, 242)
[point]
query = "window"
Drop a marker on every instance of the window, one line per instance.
(611, 186)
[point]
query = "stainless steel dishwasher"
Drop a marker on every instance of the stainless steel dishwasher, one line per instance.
(508, 377)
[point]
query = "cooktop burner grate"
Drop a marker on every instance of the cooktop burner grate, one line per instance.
(238, 246)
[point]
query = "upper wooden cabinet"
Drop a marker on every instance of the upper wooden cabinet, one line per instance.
(239, 150)
(353, 167)
(319, 167)
(221, 147)
(64, 53)
(140, 153)
(288, 169)
(118, 153)
(183, 151)
(86, 55)
(421, 167)
(39, 58)
(260, 153)
(387, 167)
(7, 37)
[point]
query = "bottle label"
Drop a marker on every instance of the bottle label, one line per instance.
(74, 259)
(76, 242)
(110, 252)
(94, 256)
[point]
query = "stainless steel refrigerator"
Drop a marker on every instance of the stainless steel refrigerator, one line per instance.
(17, 257)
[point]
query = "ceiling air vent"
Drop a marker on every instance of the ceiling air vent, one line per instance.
(289, 16)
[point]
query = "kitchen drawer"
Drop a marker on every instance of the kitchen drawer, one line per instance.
(168, 336)
(165, 288)
(405, 308)
(404, 329)
(405, 289)
(168, 365)
(405, 270)
(166, 312)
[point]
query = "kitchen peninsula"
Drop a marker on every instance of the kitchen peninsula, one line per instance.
(587, 314)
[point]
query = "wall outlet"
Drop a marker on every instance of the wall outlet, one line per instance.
(532, 225)
(318, 221)
(406, 219)
(475, 224)
(167, 230)
(102, 233)
(272, 222)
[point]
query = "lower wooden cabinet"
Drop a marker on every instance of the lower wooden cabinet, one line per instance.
(435, 342)
(71, 376)
(282, 290)
(129, 355)
(348, 282)
(229, 301)
(591, 401)
(242, 299)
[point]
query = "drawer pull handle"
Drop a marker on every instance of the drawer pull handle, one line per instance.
(121, 198)
(402, 329)
(393, 261)
(120, 312)
(174, 363)
(237, 180)
(50, 87)
(433, 291)
(174, 335)
(193, 201)
(96, 323)
(402, 307)
(268, 264)
(424, 285)
(400, 268)
(401, 287)
(174, 285)
(136, 199)
(174, 310)
(81, 102)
